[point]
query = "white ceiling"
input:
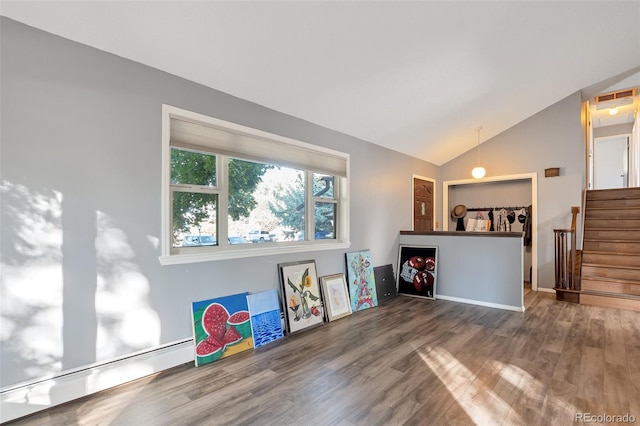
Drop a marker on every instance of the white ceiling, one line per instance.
(417, 77)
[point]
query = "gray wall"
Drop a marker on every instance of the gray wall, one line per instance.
(618, 129)
(551, 138)
(81, 152)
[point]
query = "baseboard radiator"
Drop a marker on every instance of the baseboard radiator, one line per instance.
(29, 398)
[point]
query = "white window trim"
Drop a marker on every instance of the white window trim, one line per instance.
(225, 251)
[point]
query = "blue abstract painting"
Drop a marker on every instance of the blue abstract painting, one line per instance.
(264, 310)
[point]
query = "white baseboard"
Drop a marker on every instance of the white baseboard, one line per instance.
(24, 399)
(546, 290)
(481, 303)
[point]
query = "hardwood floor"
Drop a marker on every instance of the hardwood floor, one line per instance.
(410, 361)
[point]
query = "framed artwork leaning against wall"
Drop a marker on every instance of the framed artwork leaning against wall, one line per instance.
(362, 282)
(417, 271)
(302, 300)
(335, 296)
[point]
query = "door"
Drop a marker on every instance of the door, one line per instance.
(422, 205)
(611, 162)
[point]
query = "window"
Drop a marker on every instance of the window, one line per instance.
(230, 191)
(194, 196)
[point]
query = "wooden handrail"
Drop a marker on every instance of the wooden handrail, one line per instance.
(574, 215)
(567, 275)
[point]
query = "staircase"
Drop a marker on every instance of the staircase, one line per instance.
(611, 249)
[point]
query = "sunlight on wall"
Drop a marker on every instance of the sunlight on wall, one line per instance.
(104, 378)
(154, 241)
(32, 315)
(126, 321)
(32, 280)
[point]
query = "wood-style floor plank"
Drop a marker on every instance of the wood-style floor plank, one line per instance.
(409, 361)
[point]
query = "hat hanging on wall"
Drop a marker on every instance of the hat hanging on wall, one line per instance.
(522, 215)
(459, 211)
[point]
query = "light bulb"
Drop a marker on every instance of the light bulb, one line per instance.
(613, 111)
(478, 172)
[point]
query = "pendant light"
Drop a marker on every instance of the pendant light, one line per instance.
(479, 171)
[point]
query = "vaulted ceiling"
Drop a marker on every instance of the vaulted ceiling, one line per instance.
(417, 77)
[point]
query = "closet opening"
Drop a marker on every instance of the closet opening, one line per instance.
(505, 200)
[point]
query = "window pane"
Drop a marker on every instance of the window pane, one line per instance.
(193, 168)
(266, 203)
(325, 220)
(194, 219)
(322, 185)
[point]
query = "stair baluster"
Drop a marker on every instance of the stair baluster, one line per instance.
(567, 284)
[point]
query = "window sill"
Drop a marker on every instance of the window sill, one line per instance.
(178, 259)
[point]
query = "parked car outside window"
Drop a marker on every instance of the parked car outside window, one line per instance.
(258, 236)
(237, 239)
(198, 240)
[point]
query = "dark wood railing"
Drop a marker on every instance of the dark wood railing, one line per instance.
(567, 263)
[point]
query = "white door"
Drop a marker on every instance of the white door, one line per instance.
(610, 163)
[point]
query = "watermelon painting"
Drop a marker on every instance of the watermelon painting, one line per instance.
(221, 328)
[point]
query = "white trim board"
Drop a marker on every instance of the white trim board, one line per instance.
(23, 400)
(534, 207)
(480, 303)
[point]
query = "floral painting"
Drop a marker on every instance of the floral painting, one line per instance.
(221, 327)
(362, 284)
(301, 295)
(417, 271)
(266, 324)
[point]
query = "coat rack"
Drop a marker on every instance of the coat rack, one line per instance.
(475, 209)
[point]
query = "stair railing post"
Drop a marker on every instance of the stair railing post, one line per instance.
(573, 267)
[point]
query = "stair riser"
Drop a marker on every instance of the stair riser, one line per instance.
(612, 204)
(612, 223)
(610, 259)
(611, 287)
(614, 194)
(612, 235)
(613, 273)
(618, 247)
(613, 214)
(609, 302)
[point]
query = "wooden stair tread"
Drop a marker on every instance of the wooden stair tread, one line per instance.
(614, 208)
(612, 295)
(610, 280)
(608, 223)
(608, 228)
(606, 265)
(608, 252)
(613, 193)
(612, 246)
(611, 240)
(586, 219)
(604, 197)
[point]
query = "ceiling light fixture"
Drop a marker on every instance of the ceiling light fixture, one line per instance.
(613, 111)
(479, 171)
